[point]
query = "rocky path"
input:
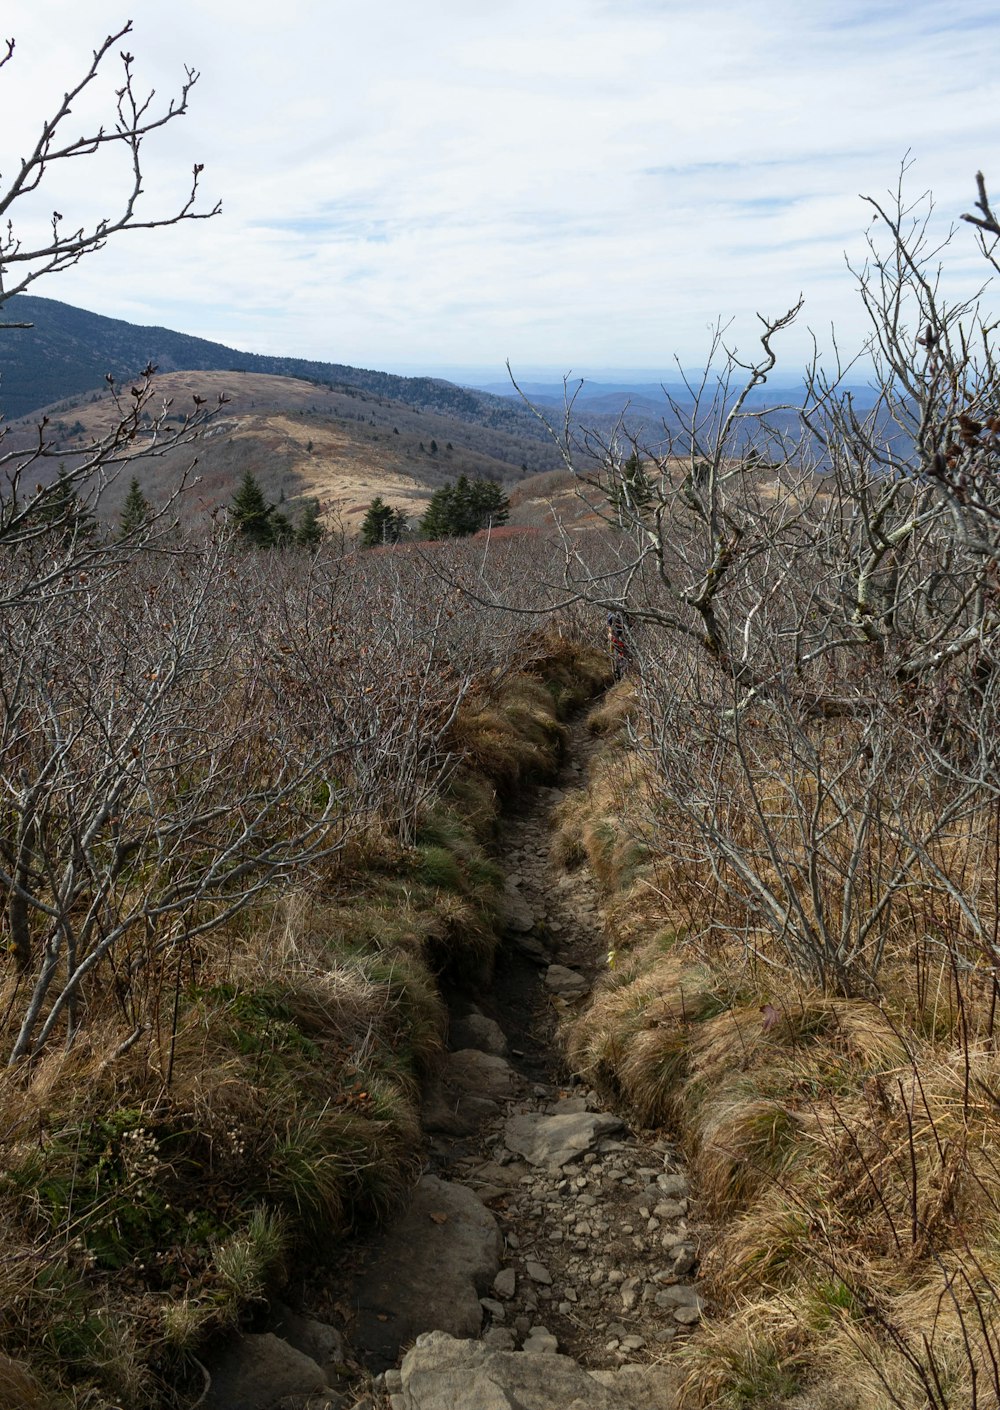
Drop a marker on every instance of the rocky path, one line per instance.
(548, 1257)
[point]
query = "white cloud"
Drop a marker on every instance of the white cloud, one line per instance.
(561, 183)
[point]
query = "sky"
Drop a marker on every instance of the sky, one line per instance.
(581, 186)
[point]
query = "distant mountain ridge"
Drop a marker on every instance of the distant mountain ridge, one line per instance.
(69, 350)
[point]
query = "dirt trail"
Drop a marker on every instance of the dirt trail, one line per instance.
(613, 1230)
(597, 1252)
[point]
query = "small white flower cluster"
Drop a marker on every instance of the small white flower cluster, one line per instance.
(140, 1155)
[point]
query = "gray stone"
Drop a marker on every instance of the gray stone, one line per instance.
(567, 1105)
(687, 1316)
(680, 1295)
(675, 1185)
(540, 1342)
(499, 1339)
(432, 1267)
(531, 948)
(454, 1113)
(566, 983)
(481, 1074)
(475, 1030)
(255, 1372)
(685, 1263)
(393, 1381)
(554, 1141)
(631, 1292)
(314, 1339)
(513, 911)
(440, 1373)
(505, 1283)
(645, 1387)
(489, 1192)
(538, 1273)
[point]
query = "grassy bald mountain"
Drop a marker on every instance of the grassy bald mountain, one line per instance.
(305, 429)
(69, 350)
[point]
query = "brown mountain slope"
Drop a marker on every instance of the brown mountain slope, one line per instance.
(299, 439)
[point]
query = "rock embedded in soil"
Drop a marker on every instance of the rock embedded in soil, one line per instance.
(532, 949)
(566, 983)
(441, 1373)
(432, 1268)
(540, 1342)
(454, 1113)
(514, 913)
(257, 1371)
(318, 1340)
(475, 1030)
(505, 1283)
(479, 1075)
(554, 1141)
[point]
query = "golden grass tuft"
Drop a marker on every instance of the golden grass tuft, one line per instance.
(633, 1039)
(747, 1142)
(756, 1358)
(511, 734)
(19, 1390)
(616, 709)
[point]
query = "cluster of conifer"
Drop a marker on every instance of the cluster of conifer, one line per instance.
(455, 511)
(264, 525)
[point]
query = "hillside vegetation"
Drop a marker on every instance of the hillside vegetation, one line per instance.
(248, 838)
(796, 823)
(67, 353)
(299, 441)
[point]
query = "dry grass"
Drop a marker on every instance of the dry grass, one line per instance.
(847, 1149)
(156, 1184)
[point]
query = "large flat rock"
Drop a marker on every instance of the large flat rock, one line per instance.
(566, 983)
(255, 1372)
(475, 1030)
(479, 1074)
(441, 1373)
(553, 1141)
(431, 1269)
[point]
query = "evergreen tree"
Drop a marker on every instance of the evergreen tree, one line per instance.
(282, 532)
(136, 511)
(490, 506)
(251, 514)
(439, 516)
(464, 508)
(66, 512)
(309, 533)
(383, 523)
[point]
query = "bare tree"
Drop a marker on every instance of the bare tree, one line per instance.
(35, 501)
(812, 598)
(154, 778)
(135, 117)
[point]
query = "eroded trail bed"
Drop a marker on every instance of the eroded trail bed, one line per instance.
(547, 1257)
(587, 1247)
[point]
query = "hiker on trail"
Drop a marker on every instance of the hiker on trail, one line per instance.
(619, 648)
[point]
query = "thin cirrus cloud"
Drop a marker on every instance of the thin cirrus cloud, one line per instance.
(564, 184)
